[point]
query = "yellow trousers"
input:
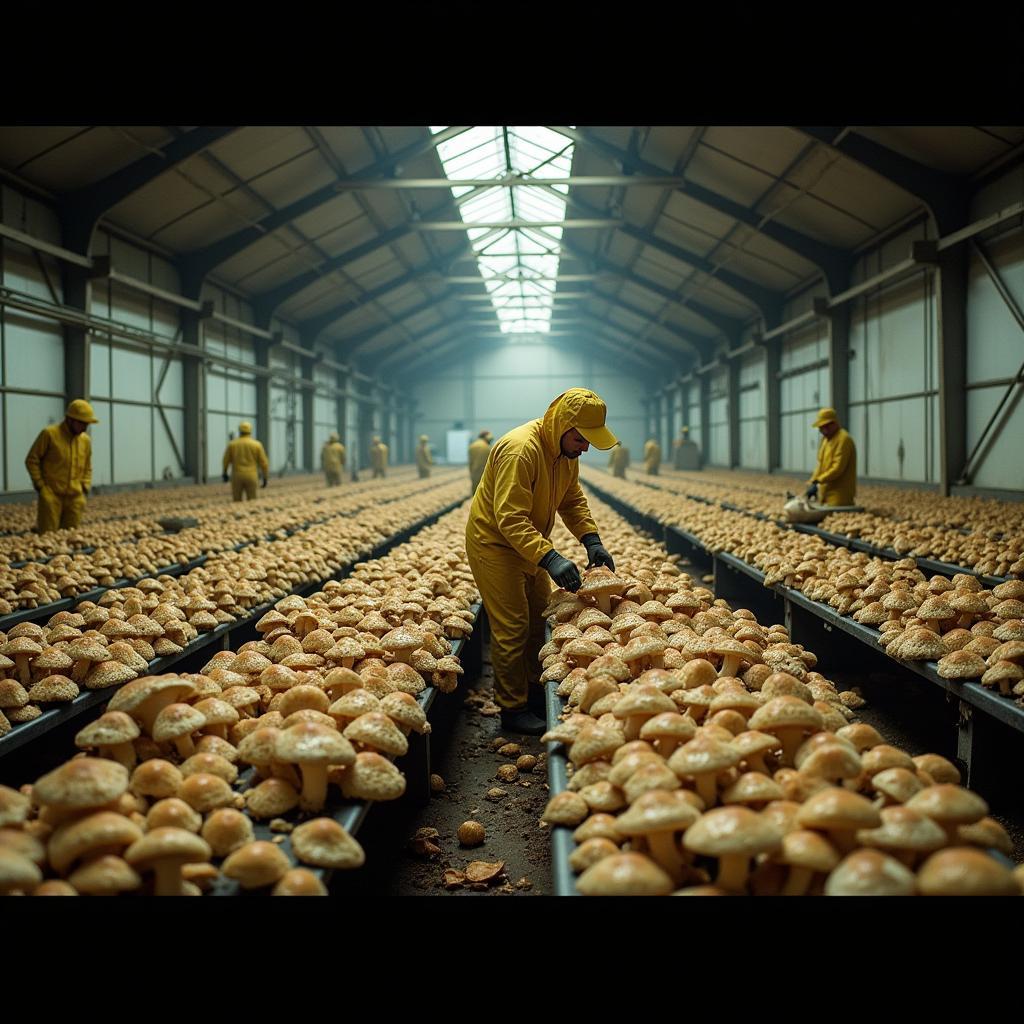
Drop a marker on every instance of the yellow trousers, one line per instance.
(424, 471)
(58, 511)
(333, 477)
(378, 473)
(243, 484)
(514, 600)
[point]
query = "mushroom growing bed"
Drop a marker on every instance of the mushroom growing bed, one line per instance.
(337, 687)
(706, 756)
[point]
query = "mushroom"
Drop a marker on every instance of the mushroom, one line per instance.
(657, 816)
(370, 777)
(105, 832)
(271, 798)
(870, 873)
(112, 734)
(299, 882)
(840, 813)
(965, 871)
(257, 864)
(313, 747)
(624, 874)
(227, 830)
(157, 779)
(807, 854)
(733, 835)
(904, 833)
(173, 812)
(949, 806)
(788, 718)
(175, 724)
(703, 759)
(145, 698)
(164, 851)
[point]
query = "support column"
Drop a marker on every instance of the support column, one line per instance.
(195, 405)
(838, 321)
(77, 293)
(308, 415)
(773, 403)
(341, 407)
(670, 422)
(734, 412)
(951, 286)
(262, 356)
(705, 418)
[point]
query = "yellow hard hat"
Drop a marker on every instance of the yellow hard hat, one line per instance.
(334, 437)
(590, 413)
(81, 410)
(424, 437)
(245, 427)
(825, 416)
(486, 435)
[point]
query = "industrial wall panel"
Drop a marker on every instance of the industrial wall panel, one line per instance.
(133, 443)
(172, 390)
(166, 319)
(131, 374)
(754, 444)
(164, 274)
(33, 352)
(218, 425)
(718, 448)
(324, 410)
(129, 259)
(995, 346)
(798, 442)
(24, 417)
(163, 451)
(277, 447)
(102, 445)
(213, 338)
(24, 272)
(128, 306)
(26, 214)
(893, 443)
(99, 297)
(999, 462)
(216, 390)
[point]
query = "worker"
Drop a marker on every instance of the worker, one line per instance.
(532, 473)
(248, 458)
(423, 458)
(685, 454)
(834, 481)
(619, 461)
(652, 457)
(378, 457)
(332, 460)
(60, 465)
(478, 452)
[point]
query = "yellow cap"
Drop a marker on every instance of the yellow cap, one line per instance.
(245, 427)
(423, 437)
(81, 410)
(589, 418)
(825, 416)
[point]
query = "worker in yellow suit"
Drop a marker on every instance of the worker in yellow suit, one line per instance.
(531, 474)
(834, 481)
(424, 460)
(60, 465)
(478, 452)
(379, 457)
(248, 458)
(332, 460)
(619, 461)
(652, 457)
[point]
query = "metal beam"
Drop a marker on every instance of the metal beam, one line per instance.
(951, 282)
(512, 225)
(516, 181)
(201, 262)
(833, 262)
(733, 412)
(415, 340)
(560, 278)
(357, 341)
(82, 208)
(945, 195)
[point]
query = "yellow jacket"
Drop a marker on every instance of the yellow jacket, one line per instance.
(526, 481)
(423, 457)
(379, 455)
(836, 472)
(332, 457)
(246, 454)
(619, 461)
(60, 461)
(652, 455)
(478, 452)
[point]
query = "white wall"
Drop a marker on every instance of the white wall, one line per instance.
(503, 387)
(753, 421)
(717, 453)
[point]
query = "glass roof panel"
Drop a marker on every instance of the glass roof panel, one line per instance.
(518, 264)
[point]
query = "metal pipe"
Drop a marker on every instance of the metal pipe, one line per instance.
(795, 371)
(52, 250)
(1004, 292)
(895, 398)
(241, 325)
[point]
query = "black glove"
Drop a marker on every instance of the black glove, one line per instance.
(561, 570)
(224, 477)
(812, 491)
(265, 481)
(597, 553)
(85, 492)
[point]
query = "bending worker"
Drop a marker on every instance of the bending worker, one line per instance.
(619, 461)
(378, 457)
(834, 481)
(652, 457)
(332, 460)
(685, 454)
(60, 465)
(423, 458)
(248, 458)
(530, 475)
(478, 452)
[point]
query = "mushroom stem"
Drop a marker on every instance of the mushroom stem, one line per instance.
(797, 882)
(733, 869)
(843, 839)
(666, 746)
(184, 745)
(667, 854)
(314, 787)
(730, 663)
(220, 731)
(755, 763)
(790, 738)
(80, 669)
(634, 723)
(123, 753)
(707, 788)
(347, 662)
(168, 878)
(403, 656)
(21, 660)
(604, 602)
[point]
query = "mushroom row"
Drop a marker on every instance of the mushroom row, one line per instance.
(326, 697)
(973, 633)
(708, 756)
(112, 641)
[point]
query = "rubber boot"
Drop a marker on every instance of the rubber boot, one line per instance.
(537, 702)
(523, 721)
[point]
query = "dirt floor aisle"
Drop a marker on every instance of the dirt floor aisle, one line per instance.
(509, 809)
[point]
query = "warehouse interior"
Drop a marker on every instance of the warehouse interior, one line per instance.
(395, 291)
